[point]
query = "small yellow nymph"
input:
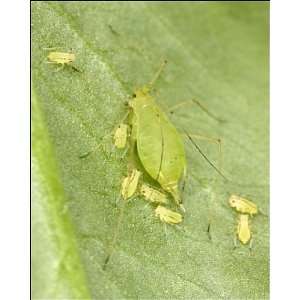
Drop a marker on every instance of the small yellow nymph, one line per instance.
(168, 216)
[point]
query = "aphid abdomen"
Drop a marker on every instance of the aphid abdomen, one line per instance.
(243, 231)
(159, 145)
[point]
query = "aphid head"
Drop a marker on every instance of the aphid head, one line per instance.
(232, 200)
(142, 92)
(143, 189)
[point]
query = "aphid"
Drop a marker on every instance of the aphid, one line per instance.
(120, 136)
(243, 229)
(62, 58)
(129, 184)
(159, 145)
(168, 216)
(243, 205)
(152, 194)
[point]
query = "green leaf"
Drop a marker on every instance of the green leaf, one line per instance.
(217, 53)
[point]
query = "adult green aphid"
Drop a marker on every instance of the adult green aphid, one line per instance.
(159, 145)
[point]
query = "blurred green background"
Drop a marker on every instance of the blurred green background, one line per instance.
(218, 53)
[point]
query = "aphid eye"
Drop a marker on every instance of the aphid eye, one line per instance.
(134, 95)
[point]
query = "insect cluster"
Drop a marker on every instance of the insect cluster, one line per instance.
(245, 208)
(156, 158)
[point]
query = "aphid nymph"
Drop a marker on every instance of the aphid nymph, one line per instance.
(168, 216)
(120, 136)
(153, 195)
(62, 59)
(129, 184)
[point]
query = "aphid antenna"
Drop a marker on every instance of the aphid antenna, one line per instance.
(117, 230)
(200, 105)
(50, 48)
(57, 48)
(157, 74)
(115, 237)
(204, 156)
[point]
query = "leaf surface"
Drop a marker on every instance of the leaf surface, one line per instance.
(218, 53)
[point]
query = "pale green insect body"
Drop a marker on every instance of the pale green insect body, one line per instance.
(243, 205)
(243, 229)
(168, 216)
(61, 57)
(120, 136)
(129, 184)
(153, 195)
(160, 147)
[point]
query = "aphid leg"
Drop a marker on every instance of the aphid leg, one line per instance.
(51, 48)
(219, 169)
(124, 153)
(183, 180)
(113, 31)
(208, 231)
(210, 140)
(84, 155)
(157, 74)
(182, 189)
(60, 68)
(117, 230)
(250, 245)
(165, 230)
(234, 242)
(199, 104)
(146, 205)
(115, 236)
(56, 48)
(75, 69)
(210, 214)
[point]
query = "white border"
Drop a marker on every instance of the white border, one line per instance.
(285, 150)
(15, 153)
